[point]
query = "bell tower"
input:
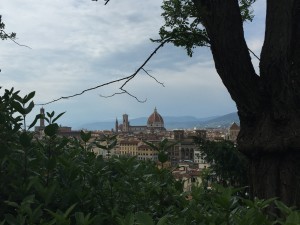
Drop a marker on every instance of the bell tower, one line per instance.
(125, 123)
(116, 126)
(42, 120)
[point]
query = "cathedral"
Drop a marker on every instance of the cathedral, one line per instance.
(155, 123)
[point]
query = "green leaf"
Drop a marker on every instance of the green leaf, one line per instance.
(282, 207)
(128, 220)
(10, 219)
(18, 98)
(79, 216)
(101, 146)
(154, 147)
(29, 108)
(163, 220)
(25, 139)
(293, 219)
(50, 115)
(18, 107)
(12, 204)
(58, 116)
(85, 136)
(162, 157)
(83, 220)
(143, 218)
(28, 97)
(69, 210)
(112, 145)
(51, 129)
(37, 117)
(62, 143)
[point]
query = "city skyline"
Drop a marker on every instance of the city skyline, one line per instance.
(79, 44)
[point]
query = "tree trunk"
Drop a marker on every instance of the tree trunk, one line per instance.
(276, 175)
(268, 104)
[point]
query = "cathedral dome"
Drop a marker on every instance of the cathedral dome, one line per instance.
(155, 120)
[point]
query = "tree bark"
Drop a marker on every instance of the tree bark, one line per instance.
(268, 104)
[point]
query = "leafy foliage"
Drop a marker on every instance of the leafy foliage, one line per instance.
(56, 180)
(3, 34)
(162, 148)
(227, 164)
(184, 25)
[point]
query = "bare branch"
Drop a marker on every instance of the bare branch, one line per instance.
(106, 1)
(86, 90)
(114, 94)
(121, 93)
(141, 101)
(254, 54)
(125, 79)
(162, 84)
(146, 61)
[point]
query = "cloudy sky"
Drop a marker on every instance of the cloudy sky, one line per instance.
(79, 44)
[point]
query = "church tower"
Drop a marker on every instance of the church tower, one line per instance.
(125, 123)
(42, 120)
(117, 126)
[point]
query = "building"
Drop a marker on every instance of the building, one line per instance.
(234, 130)
(186, 150)
(155, 123)
(136, 148)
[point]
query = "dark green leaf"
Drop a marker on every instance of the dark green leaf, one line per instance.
(25, 139)
(28, 97)
(37, 117)
(57, 117)
(85, 136)
(51, 129)
(29, 108)
(18, 107)
(162, 157)
(143, 218)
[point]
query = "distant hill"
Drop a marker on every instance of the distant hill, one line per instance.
(222, 121)
(171, 122)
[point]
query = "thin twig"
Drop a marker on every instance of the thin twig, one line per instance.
(146, 61)
(254, 54)
(123, 92)
(140, 101)
(109, 96)
(162, 84)
(125, 79)
(86, 90)
(106, 1)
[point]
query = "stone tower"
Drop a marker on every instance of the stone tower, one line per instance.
(125, 123)
(42, 120)
(117, 126)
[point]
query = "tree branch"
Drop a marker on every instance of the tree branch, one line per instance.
(123, 92)
(7, 35)
(254, 54)
(125, 79)
(224, 26)
(106, 1)
(162, 84)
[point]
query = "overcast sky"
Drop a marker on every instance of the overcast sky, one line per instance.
(78, 44)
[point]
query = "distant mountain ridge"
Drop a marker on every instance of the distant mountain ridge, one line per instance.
(172, 122)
